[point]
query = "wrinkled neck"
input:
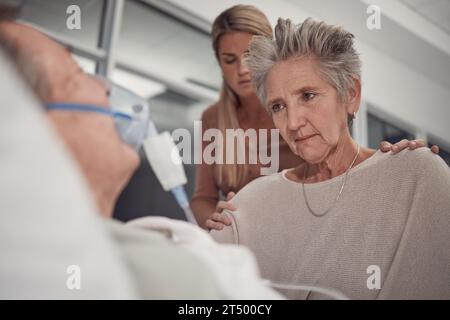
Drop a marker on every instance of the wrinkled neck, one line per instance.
(337, 162)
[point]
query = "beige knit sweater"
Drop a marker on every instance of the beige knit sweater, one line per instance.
(394, 214)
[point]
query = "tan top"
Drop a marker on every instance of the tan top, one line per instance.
(207, 185)
(394, 213)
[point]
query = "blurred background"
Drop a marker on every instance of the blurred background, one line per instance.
(161, 49)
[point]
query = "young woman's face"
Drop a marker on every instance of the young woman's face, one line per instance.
(232, 48)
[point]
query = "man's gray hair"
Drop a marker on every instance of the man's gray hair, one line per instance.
(10, 9)
(330, 45)
(25, 63)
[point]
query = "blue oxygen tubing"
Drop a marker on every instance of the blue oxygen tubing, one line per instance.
(87, 108)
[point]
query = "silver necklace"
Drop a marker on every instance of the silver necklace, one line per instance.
(340, 191)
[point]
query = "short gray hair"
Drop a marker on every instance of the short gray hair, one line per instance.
(332, 46)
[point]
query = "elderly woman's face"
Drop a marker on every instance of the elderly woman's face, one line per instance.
(306, 108)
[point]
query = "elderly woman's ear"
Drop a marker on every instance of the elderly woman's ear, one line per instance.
(354, 97)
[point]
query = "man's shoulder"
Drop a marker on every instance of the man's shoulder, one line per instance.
(125, 235)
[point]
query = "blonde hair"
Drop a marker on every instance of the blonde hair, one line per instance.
(239, 18)
(332, 46)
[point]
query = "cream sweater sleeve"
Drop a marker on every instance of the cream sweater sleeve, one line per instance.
(421, 265)
(228, 234)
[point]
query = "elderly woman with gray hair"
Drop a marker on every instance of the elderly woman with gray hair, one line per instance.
(368, 224)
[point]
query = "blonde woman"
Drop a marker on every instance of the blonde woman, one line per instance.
(239, 107)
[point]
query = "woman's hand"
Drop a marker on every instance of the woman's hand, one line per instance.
(218, 220)
(411, 144)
